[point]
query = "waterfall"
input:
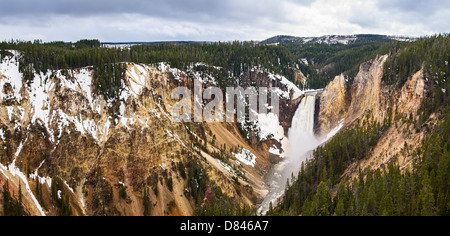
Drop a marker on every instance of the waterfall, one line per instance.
(301, 142)
(303, 120)
(301, 134)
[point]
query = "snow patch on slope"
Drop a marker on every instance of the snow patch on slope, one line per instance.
(9, 68)
(269, 127)
(15, 171)
(2, 135)
(246, 157)
(136, 79)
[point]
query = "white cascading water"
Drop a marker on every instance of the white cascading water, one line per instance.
(302, 142)
(303, 120)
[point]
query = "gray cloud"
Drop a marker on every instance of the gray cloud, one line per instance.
(166, 8)
(140, 20)
(414, 18)
(419, 7)
(192, 10)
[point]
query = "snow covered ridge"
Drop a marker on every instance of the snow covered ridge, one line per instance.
(335, 39)
(41, 95)
(332, 39)
(203, 77)
(10, 75)
(328, 39)
(64, 101)
(49, 112)
(54, 100)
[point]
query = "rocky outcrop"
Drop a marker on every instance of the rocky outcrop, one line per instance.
(403, 136)
(288, 101)
(341, 103)
(332, 105)
(366, 89)
(411, 95)
(367, 98)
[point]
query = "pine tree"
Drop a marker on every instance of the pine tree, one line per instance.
(307, 208)
(371, 200)
(38, 191)
(427, 201)
(146, 203)
(6, 198)
(340, 208)
(11, 206)
(20, 193)
(270, 209)
(322, 200)
(387, 206)
(443, 182)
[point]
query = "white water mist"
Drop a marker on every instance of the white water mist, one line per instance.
(302, 141)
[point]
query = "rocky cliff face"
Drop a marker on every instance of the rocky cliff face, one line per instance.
(332, 105)
(342, 102)
(65, 145)
(366, 89)
(366, 98)
(398, 106)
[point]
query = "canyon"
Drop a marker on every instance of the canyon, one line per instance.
(63, 143)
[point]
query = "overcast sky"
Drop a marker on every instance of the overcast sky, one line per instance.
(216, 20)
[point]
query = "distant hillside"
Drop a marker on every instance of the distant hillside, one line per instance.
(334, 39)
(130, 44)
